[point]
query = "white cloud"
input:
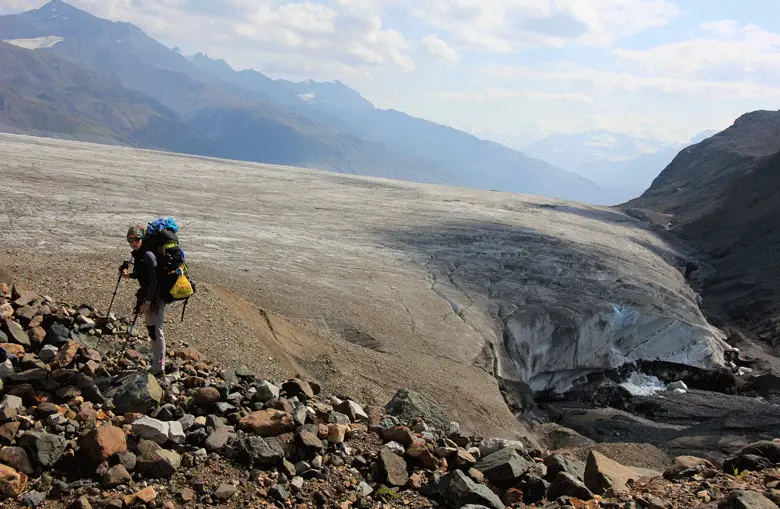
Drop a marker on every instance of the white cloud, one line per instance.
(492, 94)
(745, 54)
(439, 49)
(505, 26)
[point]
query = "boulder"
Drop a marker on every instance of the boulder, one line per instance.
(155, 462)
(57, 335)
(266, 391)
(151, 429)
(407, 405)
(393, 467)
(225, 491)
(603, 473)
(103, 442)
(505, 465)
(458, 490)
(44, 448)
(257, 451)
(297, 387)
(12, 483)
(566, 485)
(765, 449)
(351, 409)
(16, 332)
(400, 434)
(490, 445)
(65, 355)
(176, 432)
(745, 462)
(744, 499)
(137, 392)
(686, 466)
(17, 458)
(559, 463)
(115, 476)
(205, 397)
(218, 439)
(267, 423)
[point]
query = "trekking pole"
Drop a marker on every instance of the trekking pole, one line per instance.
(130, 330)
(116, 289)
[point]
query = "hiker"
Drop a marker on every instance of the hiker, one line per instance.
(148, 301)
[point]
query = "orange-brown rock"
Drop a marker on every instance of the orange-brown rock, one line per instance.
(267, 423)
(12, 483)
(103, 442)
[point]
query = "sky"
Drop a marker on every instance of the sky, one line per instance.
(508, 70)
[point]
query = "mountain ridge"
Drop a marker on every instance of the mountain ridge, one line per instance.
(123, 52)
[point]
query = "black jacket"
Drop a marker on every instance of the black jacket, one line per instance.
(145, 271)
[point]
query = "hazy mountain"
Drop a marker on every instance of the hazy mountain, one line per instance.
(246, 115)
(469, 161)
(625, 164)
(723, 195)
(43, 94)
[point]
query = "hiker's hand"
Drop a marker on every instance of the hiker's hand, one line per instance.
(143, 308)
(125, 274)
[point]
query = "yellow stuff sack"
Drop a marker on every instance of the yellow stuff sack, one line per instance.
(182, 288)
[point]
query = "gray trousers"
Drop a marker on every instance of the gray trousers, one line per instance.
(154, 324)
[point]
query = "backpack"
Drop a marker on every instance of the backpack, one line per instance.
(173, 274)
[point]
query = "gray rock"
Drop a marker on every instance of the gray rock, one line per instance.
(299, 413)
(12, 402)
(187, 421)
(258, 451)
(765, 449)
(559, 463)
(218, 439)
(396, 448)
(16, 333)
(33, 498)
(151, 429)
(364, 489)
(407, 405)
(534, 489)
(278, 493)
(353, 410)
(490, 445)
(6, 369)
(503, 465)
(338, 418)
(393, 467)
(155, 462)
(458, 490)
(44, 448)
(224, 407)
(57, 335)
(176, 432)
(127, 459)
(566, 485)
(225, 491)
(48, 353)
(743, 499)
(137, 392)
(266, 391)
(115, 476)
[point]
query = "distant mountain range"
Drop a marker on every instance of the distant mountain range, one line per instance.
(202, 106)
(625, 164)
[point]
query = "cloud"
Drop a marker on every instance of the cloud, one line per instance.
(506, 26)
(728, 53)
(295, 39)
(492, 94)
(439, 49)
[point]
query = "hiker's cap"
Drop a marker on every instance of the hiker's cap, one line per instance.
(135, 233)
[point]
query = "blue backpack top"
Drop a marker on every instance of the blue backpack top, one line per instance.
(161, 224)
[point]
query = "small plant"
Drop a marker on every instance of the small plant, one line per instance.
(385, 493)
(738, 474)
